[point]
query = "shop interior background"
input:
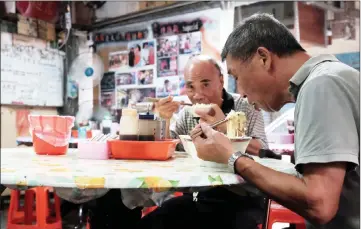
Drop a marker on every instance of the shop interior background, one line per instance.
(144, 47)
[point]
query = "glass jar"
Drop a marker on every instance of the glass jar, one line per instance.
(147, 127)
(128, 125)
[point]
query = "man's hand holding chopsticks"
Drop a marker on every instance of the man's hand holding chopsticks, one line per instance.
(212, 115)
(166, 107)
(211, 145)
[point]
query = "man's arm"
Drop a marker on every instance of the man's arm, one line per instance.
(326, 143)
(315, 196)
(254, 146)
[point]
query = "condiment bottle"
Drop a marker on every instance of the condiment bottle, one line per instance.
(147, 127)
(128, 125)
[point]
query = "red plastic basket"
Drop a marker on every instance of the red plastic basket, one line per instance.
(43, 148)
(51, 133)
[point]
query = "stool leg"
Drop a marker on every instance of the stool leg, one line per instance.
(14, 205)
(269, 224)
(28, 206)
(300, 226)
(57, 207)
(42, 207)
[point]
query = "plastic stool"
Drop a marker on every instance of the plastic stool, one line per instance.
(148, 210)
(23, 217)
(280, 214)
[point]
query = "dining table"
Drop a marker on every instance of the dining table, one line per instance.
(143, 182)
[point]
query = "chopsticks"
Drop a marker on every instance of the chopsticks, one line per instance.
(103, 137)
(214, 125)
(154, 100)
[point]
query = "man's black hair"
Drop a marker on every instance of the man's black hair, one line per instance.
(260, 30)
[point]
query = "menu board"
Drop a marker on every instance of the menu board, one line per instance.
(31, 74)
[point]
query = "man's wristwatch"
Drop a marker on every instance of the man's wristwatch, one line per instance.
(234, 157)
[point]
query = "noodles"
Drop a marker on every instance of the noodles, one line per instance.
(236, 124)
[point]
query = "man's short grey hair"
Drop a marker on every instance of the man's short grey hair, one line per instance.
(205, 58)
(260, 30)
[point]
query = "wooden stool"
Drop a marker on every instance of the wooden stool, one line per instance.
(23, 217)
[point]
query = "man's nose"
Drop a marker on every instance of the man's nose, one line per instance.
(198, 97)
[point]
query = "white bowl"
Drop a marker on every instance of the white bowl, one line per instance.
(239, 144)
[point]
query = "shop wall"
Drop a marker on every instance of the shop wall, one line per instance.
(13, 123)
(311, 23)
(338, 46)
(115, 9)
(158, 71)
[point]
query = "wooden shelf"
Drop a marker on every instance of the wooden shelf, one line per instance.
(155, 13)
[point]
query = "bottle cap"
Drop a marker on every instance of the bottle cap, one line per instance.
(129, 112)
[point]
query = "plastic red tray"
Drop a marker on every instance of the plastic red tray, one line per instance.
(142, 150)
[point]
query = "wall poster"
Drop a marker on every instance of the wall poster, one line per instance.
(154, 66)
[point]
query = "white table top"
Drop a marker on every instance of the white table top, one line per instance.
(22, 167)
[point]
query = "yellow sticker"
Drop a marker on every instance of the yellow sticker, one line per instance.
(89, 182)
(22, 183)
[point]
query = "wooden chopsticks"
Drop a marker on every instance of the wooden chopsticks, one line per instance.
(214, 125)
(103, 137)
(154, 100)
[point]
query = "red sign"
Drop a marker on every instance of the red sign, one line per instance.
(46, 11)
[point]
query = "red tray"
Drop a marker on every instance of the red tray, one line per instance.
(142, 150)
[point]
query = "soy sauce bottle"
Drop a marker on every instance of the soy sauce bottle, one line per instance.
(147, 127)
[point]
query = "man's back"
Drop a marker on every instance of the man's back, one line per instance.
(327, 118)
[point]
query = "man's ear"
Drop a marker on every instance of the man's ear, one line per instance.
(222, 80)
(264, 56)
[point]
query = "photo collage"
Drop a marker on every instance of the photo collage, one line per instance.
(173, 53)
(151, 68)
(134, 72)
(107, 86)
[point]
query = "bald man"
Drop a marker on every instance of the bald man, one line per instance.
(204, 84)
(218, 207)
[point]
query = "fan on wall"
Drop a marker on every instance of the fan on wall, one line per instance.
(86, 71)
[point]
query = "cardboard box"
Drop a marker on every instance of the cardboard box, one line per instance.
(146, 5)
(27, 26)
(46, 31)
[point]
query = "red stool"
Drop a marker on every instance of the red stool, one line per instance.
(146, 211)
(280, 214)
(23, 217)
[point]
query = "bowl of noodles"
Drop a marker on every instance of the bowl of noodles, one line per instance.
(235, 132)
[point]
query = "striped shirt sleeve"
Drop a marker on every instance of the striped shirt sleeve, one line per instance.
(179, 128)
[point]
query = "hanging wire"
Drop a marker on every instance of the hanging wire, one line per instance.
(67, 25)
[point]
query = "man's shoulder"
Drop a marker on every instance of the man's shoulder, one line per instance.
(330, 72)
(330, 75)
